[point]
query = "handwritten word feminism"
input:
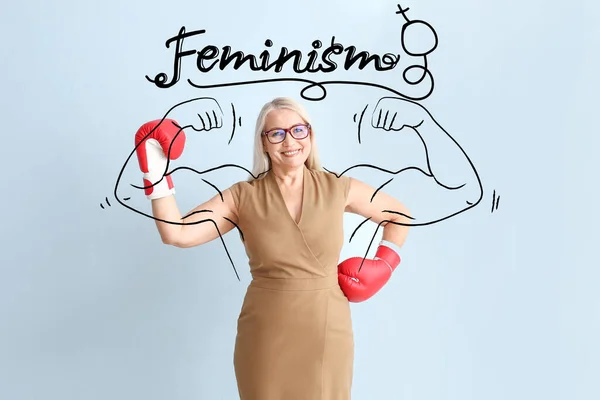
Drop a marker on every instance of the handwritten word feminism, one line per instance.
(211, 56)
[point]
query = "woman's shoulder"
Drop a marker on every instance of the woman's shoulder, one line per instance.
(328, 175)
(331, 178)
(246, 185)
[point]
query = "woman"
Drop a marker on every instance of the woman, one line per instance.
(295, 337)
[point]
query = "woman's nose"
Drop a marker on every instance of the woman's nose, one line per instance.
(288, 139)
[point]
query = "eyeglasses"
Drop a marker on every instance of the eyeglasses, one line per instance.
(298, 131)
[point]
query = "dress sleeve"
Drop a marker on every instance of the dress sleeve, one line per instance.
(345, 181)
(236, 192)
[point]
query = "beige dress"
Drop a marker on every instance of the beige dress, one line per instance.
(294, 333)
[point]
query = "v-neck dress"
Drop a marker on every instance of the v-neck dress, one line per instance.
(294, 332)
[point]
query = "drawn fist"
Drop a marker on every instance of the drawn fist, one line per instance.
(395, 113)
(203, 114)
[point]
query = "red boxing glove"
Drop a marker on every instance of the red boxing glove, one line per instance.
(160, 138)
(373, 275)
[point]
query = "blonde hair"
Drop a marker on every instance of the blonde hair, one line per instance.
(261, 162)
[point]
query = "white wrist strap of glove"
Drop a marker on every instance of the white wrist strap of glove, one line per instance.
(391, 245)
(157, 162)
(161, 189)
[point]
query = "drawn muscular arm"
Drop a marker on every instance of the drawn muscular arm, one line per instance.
(416, 144)
(446, 162)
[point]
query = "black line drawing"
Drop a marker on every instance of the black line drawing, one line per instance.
(107, 202)
(389, 112)
(210, 114)
(222, 59)
(495, 201)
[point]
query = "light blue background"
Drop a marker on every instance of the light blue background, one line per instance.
(500, 305)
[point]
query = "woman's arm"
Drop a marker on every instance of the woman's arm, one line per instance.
(381, 209)
(361, 278)
(201, 225)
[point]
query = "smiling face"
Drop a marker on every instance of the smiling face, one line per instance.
(291, 153)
